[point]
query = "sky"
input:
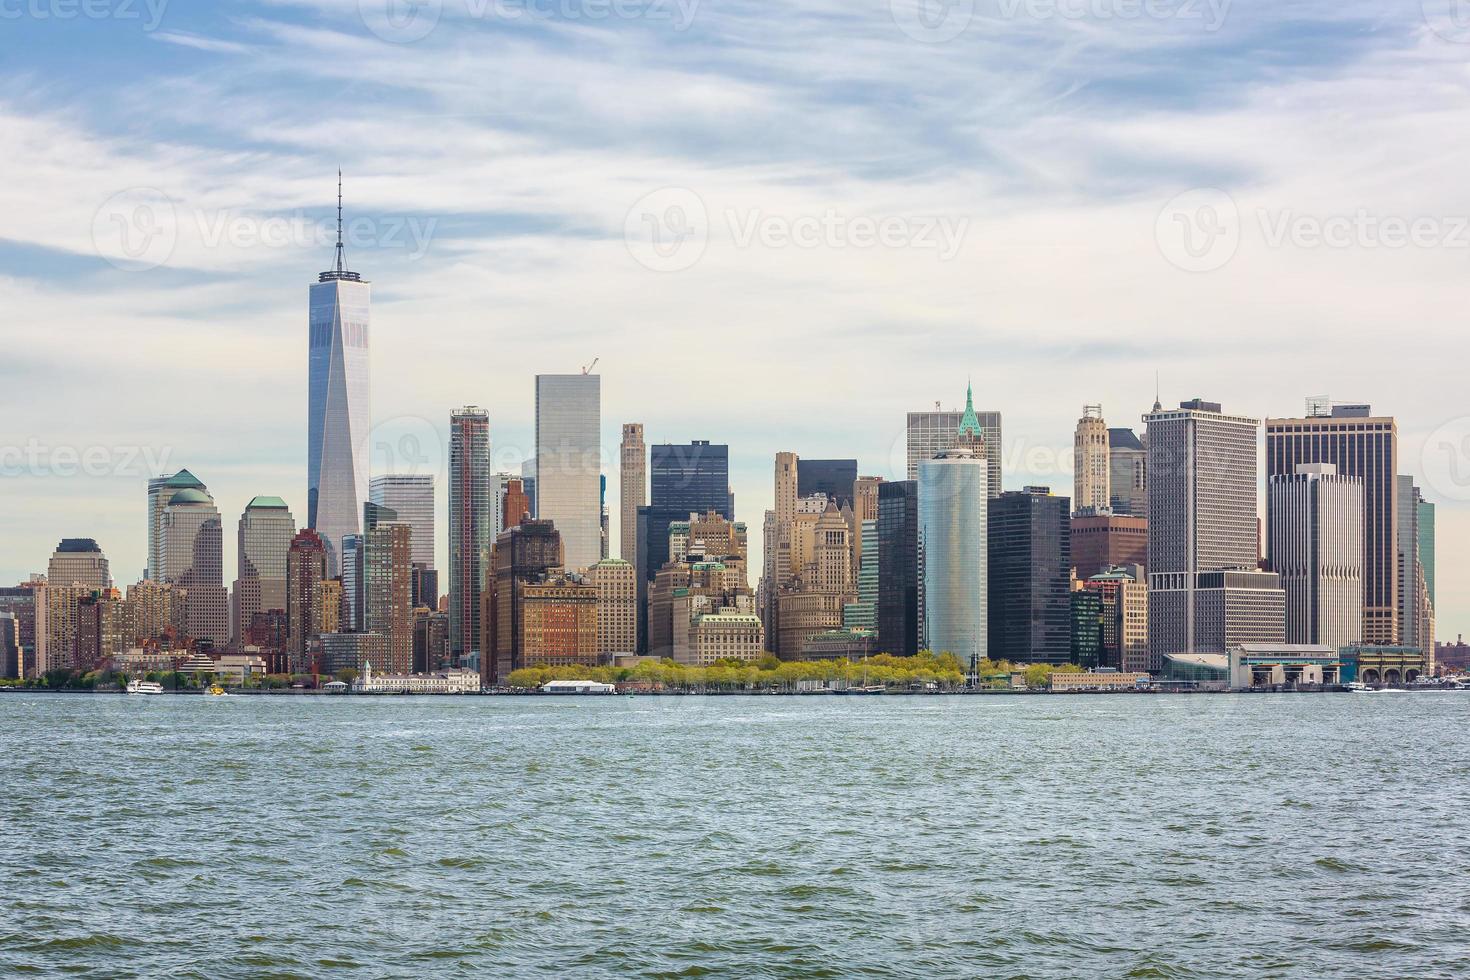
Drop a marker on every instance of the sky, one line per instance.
(777, 225)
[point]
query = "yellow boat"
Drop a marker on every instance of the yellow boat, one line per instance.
(216, 691)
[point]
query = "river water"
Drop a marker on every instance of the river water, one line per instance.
(1127, 836)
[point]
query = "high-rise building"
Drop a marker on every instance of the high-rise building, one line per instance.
(515, 506)
(617, 605)
(387, 585)
(633, 487)
(1123, 610)
(1128, 473)
(1104, 541)
(1203, 534)
(11, 661)
(1315, 543)
(684, 479)
(1363, 445)
(307, 612)
(263, 538)
(898, 567)
(931, 433)
(351, 579)
(430, 641)
(1092, 477)
(19, 601)
(470, 523)
(687, 589)
(558, 623)
(569, 463)
(76, 571)
(160, 489)
(1030, 571)
(954, 496)
(1414, 613)
(338, 409)
(524, 554)
(426, 588)
(411, 497)
(863, 613)
(193, 558)
(834, 477)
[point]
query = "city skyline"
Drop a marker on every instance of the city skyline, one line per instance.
(519, 259)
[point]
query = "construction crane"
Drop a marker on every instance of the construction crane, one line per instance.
(588, 368)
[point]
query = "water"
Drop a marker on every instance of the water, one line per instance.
(736, 837)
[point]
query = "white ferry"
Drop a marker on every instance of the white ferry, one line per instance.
(144, 687)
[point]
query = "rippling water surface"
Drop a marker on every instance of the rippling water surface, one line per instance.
(754, 836)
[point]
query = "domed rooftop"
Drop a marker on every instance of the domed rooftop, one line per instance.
(272, 503)
(189, 496)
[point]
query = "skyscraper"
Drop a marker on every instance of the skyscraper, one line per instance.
(617, 605)
(1128, 473)
(1415, 615)
(306, 612)
(954, 500)
(1203, 534)
(569, 463)
(337, 418)
(930, 433)
(633, 487)
(387, 585)
(521, 556)
(193, 557)
(1030, 570)
(470, 523)
(411, 497)
(834, 477)
(898, 567)
(1315, 543)
(1092, 467)
(263, 539)
(160, 489)
(1363, 445)
(686, 479)
(77, 569)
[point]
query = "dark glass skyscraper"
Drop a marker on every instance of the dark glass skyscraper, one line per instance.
(834, 477)
(898, 567)
(1030, 577)
(683, 480)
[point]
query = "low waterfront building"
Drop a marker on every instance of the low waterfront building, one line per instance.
(1254, 665)
(1196, 671)
(1382, 665)
(452, 681)
(1097, 680)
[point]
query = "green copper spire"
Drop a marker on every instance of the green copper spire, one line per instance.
(970, 423)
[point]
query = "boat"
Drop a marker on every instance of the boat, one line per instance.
(216, 691)
(144, 687)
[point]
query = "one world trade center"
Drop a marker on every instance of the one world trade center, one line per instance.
(337, 403)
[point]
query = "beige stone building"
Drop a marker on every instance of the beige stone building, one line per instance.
(617, 605)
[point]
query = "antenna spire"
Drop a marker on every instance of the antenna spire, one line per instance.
(340, 266)
(340, 271)
(1158, 402)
